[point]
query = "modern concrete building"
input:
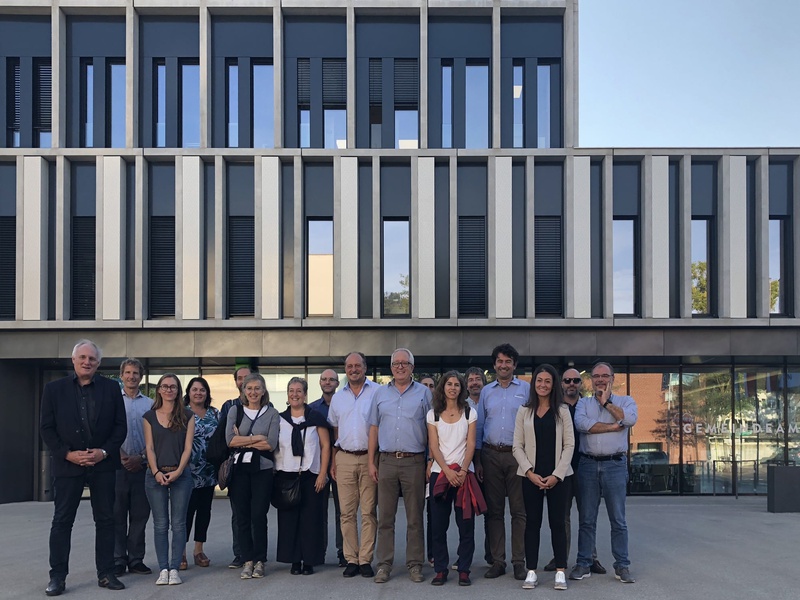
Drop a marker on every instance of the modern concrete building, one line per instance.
(207, 183)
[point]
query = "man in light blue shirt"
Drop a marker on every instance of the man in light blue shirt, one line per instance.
(131, 509)
(398, 429)
(495, 464)
(603, 421)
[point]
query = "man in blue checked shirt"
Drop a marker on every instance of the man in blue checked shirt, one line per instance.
(398, 429)
(495, 464)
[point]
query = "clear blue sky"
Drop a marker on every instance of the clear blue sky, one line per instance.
(689, 73)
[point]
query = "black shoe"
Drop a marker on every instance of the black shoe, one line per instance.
(366, 570)
(111, 582)
(520, 572)
(236, 563)
(551, 566)
(296, 569)
(342, 562)
(308, 570)
(56, 587)
(495, 571)
(351, 570)
(119, 570)
(597, 567)
(440, 578)
(140, 569)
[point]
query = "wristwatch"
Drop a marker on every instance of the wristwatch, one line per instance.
(105, 454)
(607, 403)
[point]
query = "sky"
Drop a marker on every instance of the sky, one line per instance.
(689, 73)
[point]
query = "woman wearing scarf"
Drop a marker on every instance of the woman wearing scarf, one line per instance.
(451, 436)
(303, 451)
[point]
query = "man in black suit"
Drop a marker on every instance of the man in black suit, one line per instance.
(83, 424)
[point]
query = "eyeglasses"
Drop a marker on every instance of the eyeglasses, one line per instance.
(401, 364)
(568, 380)
(168, 388)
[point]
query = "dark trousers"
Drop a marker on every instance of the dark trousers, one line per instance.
(533, 497)
(331, 489)
(300, 529)
(237, 549)
(440, 521)
(500, 481)
(131, 512)
(251, 492)
(199, 505)
(67, 496)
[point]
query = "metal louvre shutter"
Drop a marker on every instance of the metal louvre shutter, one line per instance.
(472, 266)
(548, 258)
(334, 82)
(162, 267)
(83, 259)
(375, 82)
(406, 83)
(241, 266)
(303, 82)
(13, 105)
(8, 264)
(44, 96)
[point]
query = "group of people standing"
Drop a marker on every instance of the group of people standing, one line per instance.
(462, 446)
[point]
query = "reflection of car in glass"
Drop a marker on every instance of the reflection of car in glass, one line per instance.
(652, 457)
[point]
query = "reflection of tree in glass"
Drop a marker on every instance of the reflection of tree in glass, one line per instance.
(700, 288)
(774, 293)
(397, 303)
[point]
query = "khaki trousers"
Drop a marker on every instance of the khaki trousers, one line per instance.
(396, 474)
(356, 488)
(500, 480)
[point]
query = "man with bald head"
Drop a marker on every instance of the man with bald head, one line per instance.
(328, 382)
(571, 386)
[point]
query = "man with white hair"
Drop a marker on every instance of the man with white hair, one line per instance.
(83, 423)
(398, 430)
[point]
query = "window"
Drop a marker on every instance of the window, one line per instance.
(263, 106)
(624, 266)
(190, 105)
(543, 106)
(396, 267)
(304, 100)
(13, 103)
(518, 102)
(472, 266)
(701, 266)
(406, 103)
(375, 102)
(334, 102)
(777, 267)
(87, 105)
(320, 268)
(447, 106)
(477, 106)
(547, 265)
(116, 105)
(233, 106)
(42, 123)
(161, 105)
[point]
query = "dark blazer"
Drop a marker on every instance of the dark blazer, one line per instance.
(60, 424)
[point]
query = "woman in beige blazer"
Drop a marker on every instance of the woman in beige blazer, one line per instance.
(543, 444)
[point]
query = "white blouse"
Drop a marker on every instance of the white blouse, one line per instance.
(288, 462)
(452, 438)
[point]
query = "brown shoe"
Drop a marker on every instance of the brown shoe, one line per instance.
(201, 560)
(184, 565)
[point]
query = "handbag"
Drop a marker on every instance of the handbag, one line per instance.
(225, 473)
(286, 492)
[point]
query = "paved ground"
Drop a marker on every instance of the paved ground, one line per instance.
(705, 548)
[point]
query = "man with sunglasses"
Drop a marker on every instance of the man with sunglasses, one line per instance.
(571, 386)
(603, 420)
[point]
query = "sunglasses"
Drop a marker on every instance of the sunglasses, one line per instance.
(575, 380)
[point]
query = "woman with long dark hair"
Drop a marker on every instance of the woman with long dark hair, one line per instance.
(253, 435)
(204, 475)
(304, 452)
(168, 435)
(543, 445)
(451, 437)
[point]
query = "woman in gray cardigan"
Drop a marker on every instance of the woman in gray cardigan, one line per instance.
(543, 444)
(253, 436)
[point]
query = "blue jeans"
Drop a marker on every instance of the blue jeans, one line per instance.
(610, 477)
(168, 505)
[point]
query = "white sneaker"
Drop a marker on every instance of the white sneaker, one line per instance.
(561, 581)
(163, 578)
(174, 578)
(530, 581)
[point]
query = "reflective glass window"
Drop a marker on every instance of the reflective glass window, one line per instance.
(233, 105)
(396, 268)
(320, 268)
(190, 105)
(624, 248)
(447, 106)
(543, 106)
(477, 106)
(263, 106)
(519, 107)
(117, 106)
